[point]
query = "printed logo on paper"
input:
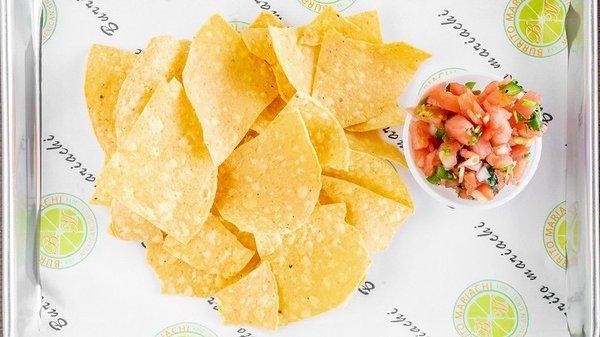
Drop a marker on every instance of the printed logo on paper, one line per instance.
(536, 27)
(49, 19)
(186, 330)
(437, 77)
(317, 6)
(68, 231)
(555, 235)
(490, 308)
(239, 25)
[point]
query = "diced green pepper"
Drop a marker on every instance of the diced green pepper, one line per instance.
(511, 88)
(535, 122)
(470, 85)
(440, 133)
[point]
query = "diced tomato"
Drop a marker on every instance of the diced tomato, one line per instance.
(467, 154)
(519, 151)
(483, 148)
(419, 135)
(486, 191)
(432, 160)
(519, 170)
(459, 128)
(525, 131)
(470, 182)
(470, 108)
(458, 89)
(527, 104)
(498, 131)
(448, 152)
(492, 97)
(419, 156)
(440, 97)
(503, 178)
(499, 162)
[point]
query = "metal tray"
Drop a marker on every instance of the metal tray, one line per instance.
(21, 110)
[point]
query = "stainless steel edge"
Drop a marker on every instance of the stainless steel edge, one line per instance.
(583, 312)
(20, 96)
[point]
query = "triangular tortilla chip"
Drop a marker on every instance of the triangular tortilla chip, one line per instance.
(162, 170)
(271, 183)
(375, 174)
(369, 26)
(245, 238)
(393, 116)
(227, 85)
(284, 87)
(214, 249)
(126, 225)
(268, 115)
(163, 59)
(319, 266)
(371, 142)
(375, 217)
(358, 80)
(326, 133)
(252, 300)
(258, 42)
(106, 70)
(267, 243)
(329, 19)
(266, 19)
(297, 61)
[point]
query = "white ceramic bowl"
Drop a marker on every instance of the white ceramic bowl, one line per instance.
(447, 195)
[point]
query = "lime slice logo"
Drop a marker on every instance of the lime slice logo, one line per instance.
(536, 27)
(68, 231)
(186, 330)
(490, 308)
(317, 6)
(555, 235)
(239, 25)
(49, 19)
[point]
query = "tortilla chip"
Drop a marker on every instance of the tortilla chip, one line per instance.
(369, 26)
(266, 19)
(163, 59)
(329, 19)
(393, 116)
(375, 217)
(214, 249)
(284, 87)
(106, 70)
(358, 80)
(297, 61)
(245, 238)
(271, 183)
(162, 170)
(375, 174)
(126, 225)
(371, 142)
(326, 133)
(251, 134)
(101, 195)
(258, 41)
(267, 243)
(179, 278)
(268, 115)
(227, 85)
(319, 266)
(252, 300)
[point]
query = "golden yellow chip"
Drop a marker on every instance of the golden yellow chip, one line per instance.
(375, 217)
(258, 41)
(178, 277)
(326, 133)
(329, 19)
(369, 26)
(106, 70)
(393, 116)
(266, 19)
(245, 238)
(284, 87)
(227, 85)
(252, 300)
(318, 266)
(214, 249)
(126, 225)
(297, 61)
(375, 174)
(357, 80)
(162, 170)
(271, 183)
(163, 59)
(371, 142)
(267, 243)
(268, 115)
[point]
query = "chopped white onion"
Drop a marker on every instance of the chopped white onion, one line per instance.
(483, 174)
(485, 119)
(461, 174)
(501, 149)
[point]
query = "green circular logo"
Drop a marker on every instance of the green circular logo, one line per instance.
(536, 27)
(490, 308)
(49, 19)
(239, 25)
(317, 6)
(437, 77)
(68, 231)
(555, 235)
(186, 330)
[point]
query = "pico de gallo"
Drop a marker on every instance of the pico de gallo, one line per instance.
(476, 142)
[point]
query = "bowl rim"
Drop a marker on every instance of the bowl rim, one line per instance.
(456, 202)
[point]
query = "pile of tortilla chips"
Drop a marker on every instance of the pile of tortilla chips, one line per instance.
(250, 165)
